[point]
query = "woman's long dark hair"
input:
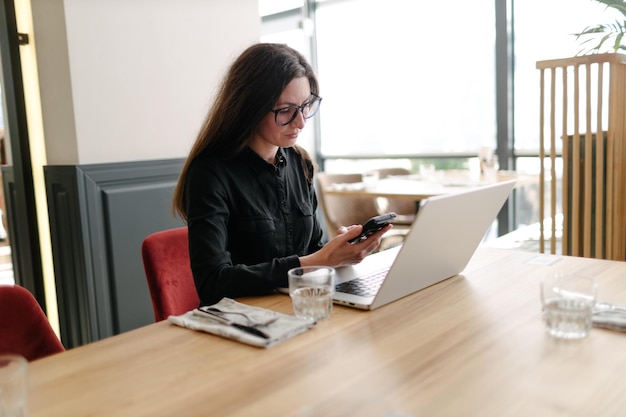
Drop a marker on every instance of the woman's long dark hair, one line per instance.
(249, 91)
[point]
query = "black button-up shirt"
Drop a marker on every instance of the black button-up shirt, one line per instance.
(248, 222)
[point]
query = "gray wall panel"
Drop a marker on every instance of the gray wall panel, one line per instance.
(99, 215)
(127, 231)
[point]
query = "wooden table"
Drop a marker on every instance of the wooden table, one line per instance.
(473, 345)
(415, 188)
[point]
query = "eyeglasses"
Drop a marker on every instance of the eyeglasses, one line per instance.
(286, 115)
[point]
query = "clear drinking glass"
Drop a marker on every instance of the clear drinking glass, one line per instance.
(568, 301)
(311, 289)
(13, 386)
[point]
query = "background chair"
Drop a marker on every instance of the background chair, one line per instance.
(344, 211)
(405, 209)
(24, 327)
(168, 271)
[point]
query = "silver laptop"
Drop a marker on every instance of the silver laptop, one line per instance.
(444, 236)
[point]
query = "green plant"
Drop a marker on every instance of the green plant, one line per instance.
(609, 37)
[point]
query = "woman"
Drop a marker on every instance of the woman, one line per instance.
(246, 190)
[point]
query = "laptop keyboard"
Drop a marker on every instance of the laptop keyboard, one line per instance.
(366, 286)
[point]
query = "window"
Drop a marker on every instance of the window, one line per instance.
(404, 80)
(541, 36)
(399, 77)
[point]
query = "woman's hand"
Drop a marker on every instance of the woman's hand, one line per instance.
(340, 252)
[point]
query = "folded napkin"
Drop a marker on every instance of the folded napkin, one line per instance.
(223, 323)
(609, 317)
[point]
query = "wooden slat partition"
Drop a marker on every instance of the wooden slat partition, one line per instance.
(587, 126)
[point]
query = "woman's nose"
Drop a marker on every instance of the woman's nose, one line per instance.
(300, 121)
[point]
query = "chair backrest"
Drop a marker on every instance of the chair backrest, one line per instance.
(168, 271)
(388, 172)
(24, 327)
(405, 209)
(343, 211)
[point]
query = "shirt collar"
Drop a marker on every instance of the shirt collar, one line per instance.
(281, 158)
(259, 164)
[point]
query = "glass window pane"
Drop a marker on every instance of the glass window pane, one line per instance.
(268, 7)
(542, 36)
(400, 77)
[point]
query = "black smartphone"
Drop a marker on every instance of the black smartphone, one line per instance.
(373, 225)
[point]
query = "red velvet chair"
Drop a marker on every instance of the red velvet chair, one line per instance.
(24, 327)
(166, 262)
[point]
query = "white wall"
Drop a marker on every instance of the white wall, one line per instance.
(129, 80)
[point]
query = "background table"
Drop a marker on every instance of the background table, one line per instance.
(415, 188)
(472, 345)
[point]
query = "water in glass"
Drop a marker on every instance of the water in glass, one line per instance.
(568, 318)
(312, 302)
